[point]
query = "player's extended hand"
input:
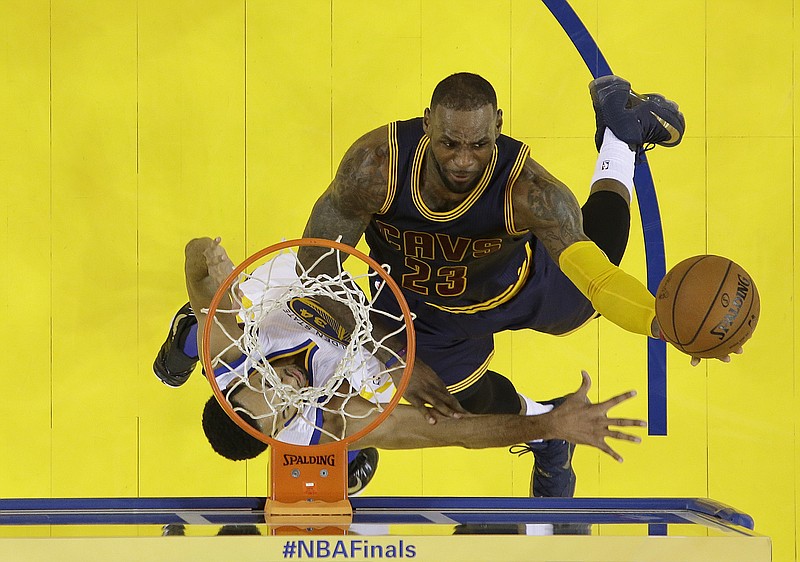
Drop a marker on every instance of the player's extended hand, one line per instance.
(725, 359)
(207, 266)
(217, 261)
(425, 387)
(579, 421)
(695, 361)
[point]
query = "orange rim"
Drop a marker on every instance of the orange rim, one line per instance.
(319, 242)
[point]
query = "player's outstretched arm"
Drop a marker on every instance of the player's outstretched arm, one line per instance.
(546, 207)
(581, 422)
(576, 420)
(206, 266)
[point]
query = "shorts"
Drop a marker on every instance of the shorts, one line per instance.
(458, 347)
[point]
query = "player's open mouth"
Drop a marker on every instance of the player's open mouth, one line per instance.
(460, 176)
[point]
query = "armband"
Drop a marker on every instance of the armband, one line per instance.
(613, 293)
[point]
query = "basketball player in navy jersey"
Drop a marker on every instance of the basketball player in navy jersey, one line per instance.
(481, 238)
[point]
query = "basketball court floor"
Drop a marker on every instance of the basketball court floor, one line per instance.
(442, 529)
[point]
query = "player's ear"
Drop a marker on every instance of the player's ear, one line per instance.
(499, 122)
(426, 120)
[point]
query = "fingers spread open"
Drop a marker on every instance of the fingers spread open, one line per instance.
(610, 452)
(611, 402)
(586, 384)
(627, 422)
(624, 436)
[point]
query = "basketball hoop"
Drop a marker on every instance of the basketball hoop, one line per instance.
(309, 482)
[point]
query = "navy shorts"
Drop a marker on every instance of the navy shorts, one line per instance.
(459, 346)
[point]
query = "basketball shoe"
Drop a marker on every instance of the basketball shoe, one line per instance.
(361, 470)
(172, 366)
(552, 475)
(641, 120)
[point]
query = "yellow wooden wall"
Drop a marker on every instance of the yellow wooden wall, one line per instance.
(132, 125)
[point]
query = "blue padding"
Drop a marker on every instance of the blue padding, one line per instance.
(589, 517)
(369, 510)
(97, 504)
(703, 506)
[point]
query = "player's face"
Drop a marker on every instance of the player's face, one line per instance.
(291, 372)
(254, 400)
(462, 143)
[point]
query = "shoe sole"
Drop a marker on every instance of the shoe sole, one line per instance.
(604, 86)
(670, 107)
(362, 484)
(160, 371)
(601, 87)
(167, 379)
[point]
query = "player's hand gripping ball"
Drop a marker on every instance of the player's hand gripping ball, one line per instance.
(707, 306)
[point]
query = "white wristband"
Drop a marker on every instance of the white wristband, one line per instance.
(534, 408)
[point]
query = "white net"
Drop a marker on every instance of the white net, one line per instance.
(330, 323)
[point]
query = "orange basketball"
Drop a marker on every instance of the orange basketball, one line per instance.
(707, 306)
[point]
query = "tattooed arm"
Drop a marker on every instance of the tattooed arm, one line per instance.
(358, 191)
(546, 207)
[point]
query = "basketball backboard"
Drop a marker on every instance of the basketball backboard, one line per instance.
(463, 529)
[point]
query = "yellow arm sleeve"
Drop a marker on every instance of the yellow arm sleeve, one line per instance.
(616, 295)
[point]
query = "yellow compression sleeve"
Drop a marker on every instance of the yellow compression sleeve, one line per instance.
(616, 295)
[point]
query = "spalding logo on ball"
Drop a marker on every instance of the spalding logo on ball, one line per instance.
(707, 306)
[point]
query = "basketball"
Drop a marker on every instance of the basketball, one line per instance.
(707, 306)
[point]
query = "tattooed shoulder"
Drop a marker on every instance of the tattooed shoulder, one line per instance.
(545, 206)
(362, 177)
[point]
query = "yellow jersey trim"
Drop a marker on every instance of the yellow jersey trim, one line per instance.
(473, 378)
(519, 164)
(305, 350)
(367, 395)
(463, 207)
(391, 184)
(505, 296)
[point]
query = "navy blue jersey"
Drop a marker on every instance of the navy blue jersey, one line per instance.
(467, 273)
(464, 260)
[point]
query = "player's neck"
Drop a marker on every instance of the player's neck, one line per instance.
(436, 193)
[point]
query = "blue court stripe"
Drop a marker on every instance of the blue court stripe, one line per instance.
(580, 36)
(651, 219)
